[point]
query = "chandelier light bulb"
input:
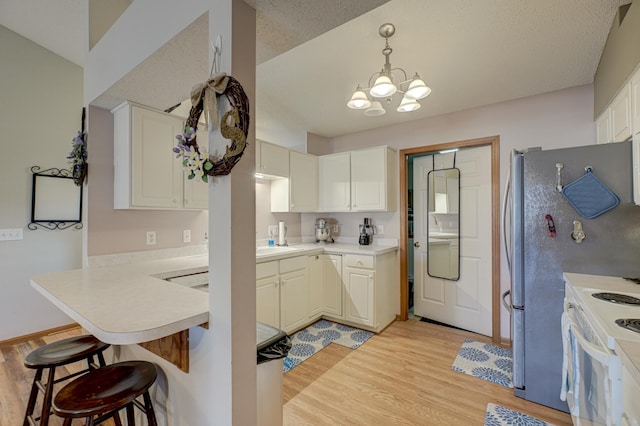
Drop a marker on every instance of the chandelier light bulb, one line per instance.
(359, 100)
(417, 88)
(383, 87)
(408, 105)
(376, 109)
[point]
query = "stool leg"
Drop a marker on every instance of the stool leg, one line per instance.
(32, 397)
(67, 422)
(148, 408)
(116, 419)
(130, 417)
(48, 395)
(101, 359)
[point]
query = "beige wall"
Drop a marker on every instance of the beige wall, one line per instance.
(40, 112)
(620, 57)
(117, 231)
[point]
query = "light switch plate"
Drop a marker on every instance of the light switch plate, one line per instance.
(186, 236)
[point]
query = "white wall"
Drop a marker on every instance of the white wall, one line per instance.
(558, 119)
(40, 113)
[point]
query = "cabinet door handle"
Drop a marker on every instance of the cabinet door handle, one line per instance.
(416, 244)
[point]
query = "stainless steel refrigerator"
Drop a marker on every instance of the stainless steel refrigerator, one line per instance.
(538, 256)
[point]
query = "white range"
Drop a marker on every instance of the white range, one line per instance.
(602, 333)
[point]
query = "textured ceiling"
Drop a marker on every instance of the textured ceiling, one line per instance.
(312, 53)
(472, 53)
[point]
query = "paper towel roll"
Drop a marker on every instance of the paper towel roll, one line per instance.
(282, 233)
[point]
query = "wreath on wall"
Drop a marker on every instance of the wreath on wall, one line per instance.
(234, 125)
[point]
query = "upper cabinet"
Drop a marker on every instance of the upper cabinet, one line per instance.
(298, 193)
(621, 115)
(147, 175)
(334, 182)
(272, 159)
(635, 103)
(363, 180)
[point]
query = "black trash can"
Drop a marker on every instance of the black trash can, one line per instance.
(272, 346)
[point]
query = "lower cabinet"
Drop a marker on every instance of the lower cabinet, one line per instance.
(332, 288)
(361, 290)
(268, 293)
(316, 277)
(294, 290)
(371, 293)
(630, 391)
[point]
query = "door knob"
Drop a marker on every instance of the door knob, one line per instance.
(416, 244)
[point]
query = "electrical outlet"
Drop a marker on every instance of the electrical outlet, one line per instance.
(380, 229)
(272, 230)
(186, 236)
(11, 234)
(151, 238)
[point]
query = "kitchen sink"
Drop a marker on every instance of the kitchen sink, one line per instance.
(267, 250)
(198, 281)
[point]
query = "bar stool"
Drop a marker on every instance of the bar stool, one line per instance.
(58, 354)
(100, 394)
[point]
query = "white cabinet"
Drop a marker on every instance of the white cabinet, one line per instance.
(294, 287)
(630, 393)
(272, 160)
(621, 115)
(603, 127)
(371, 289)
(372, 177)
(268, 293)
(635, 103)
(359, 290)
(147, 175)
(332, 287)
(334, 180)
(635, 152)
(298, 193)
(315, 304)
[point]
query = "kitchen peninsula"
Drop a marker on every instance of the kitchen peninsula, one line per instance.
(132, 303)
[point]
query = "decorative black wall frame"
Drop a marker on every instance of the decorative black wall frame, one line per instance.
(57, 196)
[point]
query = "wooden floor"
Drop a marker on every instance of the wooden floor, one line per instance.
(401, 377)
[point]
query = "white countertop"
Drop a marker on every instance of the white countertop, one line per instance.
(329, 248)
(126, 304)
(132, 303)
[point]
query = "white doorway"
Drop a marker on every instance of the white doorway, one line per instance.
(464, 303)
(490, 224)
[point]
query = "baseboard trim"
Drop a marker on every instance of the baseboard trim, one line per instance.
(38, 334)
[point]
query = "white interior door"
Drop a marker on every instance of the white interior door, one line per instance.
(465, 303)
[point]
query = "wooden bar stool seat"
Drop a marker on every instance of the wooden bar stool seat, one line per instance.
(100, 394)
(54, 355)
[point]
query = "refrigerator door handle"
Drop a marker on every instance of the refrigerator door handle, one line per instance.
(505, 237)
(506, 304)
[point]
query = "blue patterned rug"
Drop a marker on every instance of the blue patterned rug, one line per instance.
(317, 336)
(485, 361)
(500, 416)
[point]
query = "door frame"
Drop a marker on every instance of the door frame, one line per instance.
(494, 143)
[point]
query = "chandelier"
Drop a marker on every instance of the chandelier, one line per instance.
(386, 83)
